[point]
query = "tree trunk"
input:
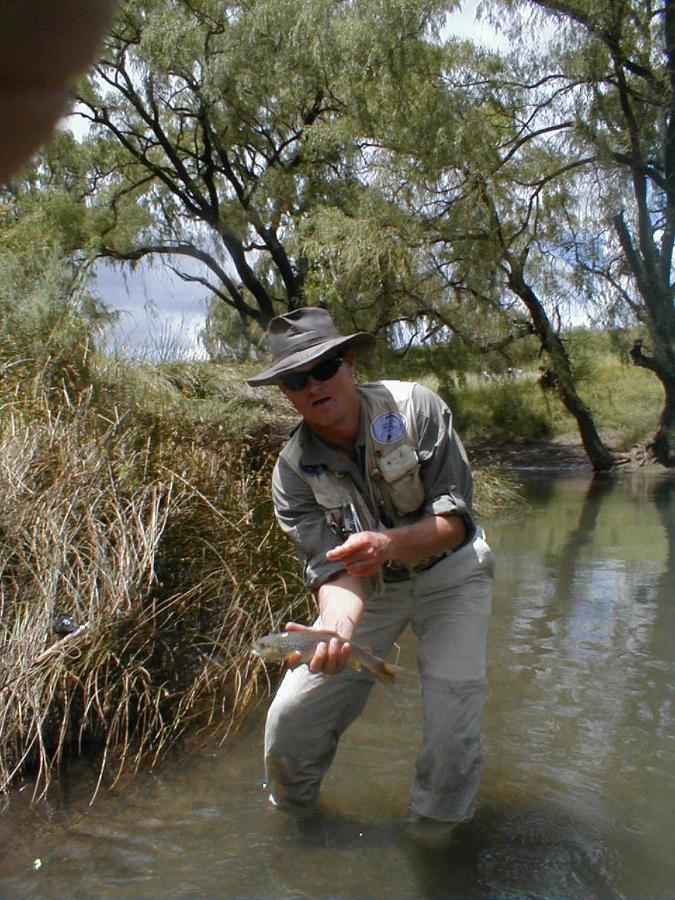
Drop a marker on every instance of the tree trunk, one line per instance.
(601, 458)
(663, 443)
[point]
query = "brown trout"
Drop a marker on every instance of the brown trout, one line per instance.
(278, 647)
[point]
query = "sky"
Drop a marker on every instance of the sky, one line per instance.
(160, 314)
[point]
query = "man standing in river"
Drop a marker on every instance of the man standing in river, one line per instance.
(374, 489)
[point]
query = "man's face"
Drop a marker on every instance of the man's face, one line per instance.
(330, 408)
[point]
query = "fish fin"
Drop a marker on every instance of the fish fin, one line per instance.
(290, 656)
(387, 672)
(354, 664)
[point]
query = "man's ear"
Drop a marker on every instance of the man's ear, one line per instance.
(350, 358)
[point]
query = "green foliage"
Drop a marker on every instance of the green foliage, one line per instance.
(228, 336)
(613, 95)
(496, 411)
(625, 399)
(48, 323)
(307, 151)
(220, 128)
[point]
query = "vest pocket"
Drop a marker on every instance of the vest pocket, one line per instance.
(399, 470)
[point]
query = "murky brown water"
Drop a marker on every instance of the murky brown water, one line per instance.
(578, 795)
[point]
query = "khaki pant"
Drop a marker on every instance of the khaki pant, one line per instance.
(448, 607)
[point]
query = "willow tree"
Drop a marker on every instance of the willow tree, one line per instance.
(545, 180)
(609, 67)
(461, 147)
(218, 127)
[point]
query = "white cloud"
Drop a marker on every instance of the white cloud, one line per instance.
(464, 23)
(159, 312)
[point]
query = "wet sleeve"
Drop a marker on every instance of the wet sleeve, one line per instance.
(303, 520)
(444, 466)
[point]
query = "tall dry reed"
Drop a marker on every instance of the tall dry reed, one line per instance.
(137, 565)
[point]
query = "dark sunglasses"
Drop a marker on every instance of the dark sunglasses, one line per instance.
(323, 371)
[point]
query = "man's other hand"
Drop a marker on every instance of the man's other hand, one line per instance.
(364, 553)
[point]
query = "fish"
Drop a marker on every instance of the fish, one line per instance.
(280, 646)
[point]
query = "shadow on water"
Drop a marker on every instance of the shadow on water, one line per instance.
(577, 800)
(510, 849)
(514, 851)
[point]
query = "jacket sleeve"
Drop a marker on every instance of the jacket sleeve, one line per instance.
(303, 520)
(444, 466)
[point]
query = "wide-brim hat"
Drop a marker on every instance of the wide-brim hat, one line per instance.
(303, 336)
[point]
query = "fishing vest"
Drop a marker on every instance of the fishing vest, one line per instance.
(392, 475)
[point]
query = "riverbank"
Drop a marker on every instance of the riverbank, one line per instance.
(557, 455)
(540, 455)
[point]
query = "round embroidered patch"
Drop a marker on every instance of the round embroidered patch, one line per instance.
(388, 428)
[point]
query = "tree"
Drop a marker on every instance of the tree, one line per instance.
(48, 312)
(314, 151)
(219, 127)
(547, 177)
(461, 152)
(614, 61)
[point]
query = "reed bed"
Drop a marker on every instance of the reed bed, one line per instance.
(138, 563)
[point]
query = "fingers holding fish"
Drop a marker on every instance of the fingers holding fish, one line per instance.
(323, 651)
(330, 656)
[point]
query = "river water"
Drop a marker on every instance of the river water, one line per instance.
(578, 796)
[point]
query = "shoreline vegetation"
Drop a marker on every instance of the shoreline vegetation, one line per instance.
(139, 556)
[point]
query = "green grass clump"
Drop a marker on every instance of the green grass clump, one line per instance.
(500, 411)
(626, 400)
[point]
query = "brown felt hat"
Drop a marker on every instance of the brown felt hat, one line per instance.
(304, 336)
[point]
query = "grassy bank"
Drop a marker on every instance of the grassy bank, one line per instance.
(138, 562)
(625, 401)
(497, 400)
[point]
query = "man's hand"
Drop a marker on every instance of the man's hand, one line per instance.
(329, 658)
(363, 553)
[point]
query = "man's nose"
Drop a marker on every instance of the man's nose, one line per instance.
(313, 386)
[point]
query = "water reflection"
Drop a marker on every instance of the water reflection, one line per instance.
(578, 794)
(588, 655)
